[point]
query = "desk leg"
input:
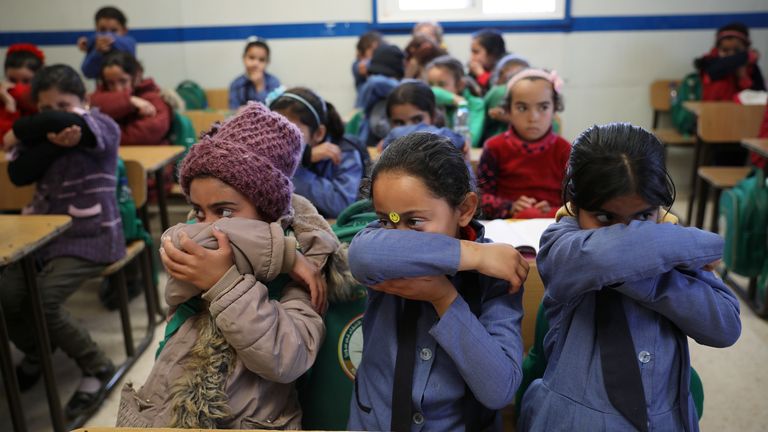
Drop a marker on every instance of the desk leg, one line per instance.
(43, 344)
(163, 206)
(9, 379)
(694, 177)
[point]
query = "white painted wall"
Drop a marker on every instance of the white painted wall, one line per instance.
(607, 74)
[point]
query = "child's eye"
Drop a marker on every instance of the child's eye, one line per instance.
(415, 223)
(644, 216)
(199, 215)
(226, 213)
(397, 123)
(520, 108)
(603, 218)
(386, 223)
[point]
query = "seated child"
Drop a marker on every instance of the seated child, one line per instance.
(730, 66)
(442, 347)
(256, 83)
(111, 35)
(22, 61)
(497, 120)
(521, 171)
(243, 334)
(133, 101)
(71, 154)
(366, 45)
(421, 50)
(385, 71)
(332, 164)
(487, 49)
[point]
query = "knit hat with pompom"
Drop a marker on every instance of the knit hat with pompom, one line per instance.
(256, 152)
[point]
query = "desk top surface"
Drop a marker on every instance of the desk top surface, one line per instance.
(23, 234)
(757, 145)
(152, 157)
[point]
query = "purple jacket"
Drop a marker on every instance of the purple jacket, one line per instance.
(83, 184)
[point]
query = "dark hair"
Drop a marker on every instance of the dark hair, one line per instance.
(455, 68)
(433, 159)
(493, 43)
(367, 40)
(436, 25)
(327, 112)
(734, 27)
(125, 60)
(416, 93)
(256, 41)
(23, 59)
(60, 77)
(111, 12)
(614, 160)
(557, 99)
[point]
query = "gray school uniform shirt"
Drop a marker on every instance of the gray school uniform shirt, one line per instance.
(667, 298)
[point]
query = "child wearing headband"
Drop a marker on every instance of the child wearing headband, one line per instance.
(256, 83)
(730, 66)
(521, 170)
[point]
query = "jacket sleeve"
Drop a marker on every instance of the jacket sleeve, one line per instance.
(696, 301)
(124, 43)
(573, 261)
(32, 130)
(235, 89)
(476, 119)
(149, 130)
(114, 104)
(492, 205)
(377, 254)
(277, 340)
(334, 194)
(91, 65)
(489, 354)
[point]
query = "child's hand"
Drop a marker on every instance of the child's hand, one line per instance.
(67, 137)
(5, 97)
(145, 108)
(326, 150)
(257, 78)
(195, 264)
(307, 273)
(711, 266)
(523, 203)
(498, 114)
(458, 100)
(476, 68)
(437, 290)
(497, 260)
(10, 140)
(82, 43)
(362, 67)
(103, 43)
(543, 206)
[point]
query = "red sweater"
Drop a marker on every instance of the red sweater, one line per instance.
(510, 167)
(134, 128)
(22, 94)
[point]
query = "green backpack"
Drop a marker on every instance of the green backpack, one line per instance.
(688, 90)
(182, 131)
(193, 95)
(133, 229)
(743, 212)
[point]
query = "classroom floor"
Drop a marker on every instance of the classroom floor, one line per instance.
(734, 378)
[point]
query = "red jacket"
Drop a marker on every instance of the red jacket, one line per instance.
(22, 94)
(136, 129)
(721, 79)
(510, 167)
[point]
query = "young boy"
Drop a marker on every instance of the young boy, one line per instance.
(111, 35)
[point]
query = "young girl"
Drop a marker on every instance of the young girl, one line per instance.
(71, 154)
(497, 120)
(256, 83)
(132, 100)
(441, 333)
(22, 61)
(241, 334)
(486, 50)
(453, 89)
(623, 294)
(331, 164)
(385, 71)
(365, 47)
(731, 65)
(521, 171)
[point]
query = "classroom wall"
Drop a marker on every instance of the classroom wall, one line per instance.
(607, 73)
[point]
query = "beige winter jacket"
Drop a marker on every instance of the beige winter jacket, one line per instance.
(274, 342)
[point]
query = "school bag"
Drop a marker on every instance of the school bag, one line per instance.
(743, 212)
(193, 95)
(689, 89)
(182, 131)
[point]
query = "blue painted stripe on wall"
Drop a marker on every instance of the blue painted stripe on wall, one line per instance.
(317, 30)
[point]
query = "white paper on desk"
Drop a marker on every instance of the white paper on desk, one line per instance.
(753, 97)
(524, 234)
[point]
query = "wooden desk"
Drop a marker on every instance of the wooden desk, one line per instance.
(154, 159)
(757, 145)
(695, 106)
(203, 119)
(19, 237)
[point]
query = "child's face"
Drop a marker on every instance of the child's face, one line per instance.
(20, 75)
(408, 115)
(400, 195)
(310, 138)
(508, 71)
(255, 59)
(480, 55)
(368, 53)
(730, 46)
(531, 108)
(623, 209)
(117, 80)
(54, 100)
(110, 25)
(443, 78)
(212, 199)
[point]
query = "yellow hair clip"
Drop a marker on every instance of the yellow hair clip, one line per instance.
(394, 217)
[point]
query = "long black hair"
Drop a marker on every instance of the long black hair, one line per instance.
(493, 42)
(416, 93)
(60, 77)
(326, 112)
(125, 61)
(614, 160)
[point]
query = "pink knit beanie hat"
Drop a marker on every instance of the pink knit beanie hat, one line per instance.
(256, 152)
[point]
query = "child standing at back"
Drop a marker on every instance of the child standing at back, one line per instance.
(623, 294)
(111, 35)
(256, 83)
(77, 150)
(22, 61)
(441, 332)
(521, 171)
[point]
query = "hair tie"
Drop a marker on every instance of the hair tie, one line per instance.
(26, 47)
(552, 77)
